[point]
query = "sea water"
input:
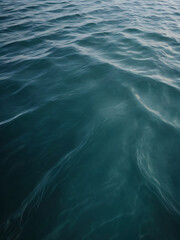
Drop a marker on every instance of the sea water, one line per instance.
(90, 120)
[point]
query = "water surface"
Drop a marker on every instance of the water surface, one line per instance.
(89, 120)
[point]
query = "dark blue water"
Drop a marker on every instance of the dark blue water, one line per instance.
(89, 120)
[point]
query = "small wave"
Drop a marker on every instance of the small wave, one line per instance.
(9, 120)
(173, 122)
(33, 200)
(155, 172)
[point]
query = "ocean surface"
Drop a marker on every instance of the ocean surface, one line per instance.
(90, 120)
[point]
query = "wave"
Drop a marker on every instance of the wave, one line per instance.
(157, 173)
(14, 225)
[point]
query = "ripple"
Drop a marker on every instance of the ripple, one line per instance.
(17, 116)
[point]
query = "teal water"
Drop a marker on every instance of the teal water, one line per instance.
(89, 120)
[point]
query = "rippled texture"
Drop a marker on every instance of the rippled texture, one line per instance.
(90, 120)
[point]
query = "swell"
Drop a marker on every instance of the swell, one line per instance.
(158, 176)
(171, 120)
(158, 182)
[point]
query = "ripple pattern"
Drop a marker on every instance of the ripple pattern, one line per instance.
(89, 120)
